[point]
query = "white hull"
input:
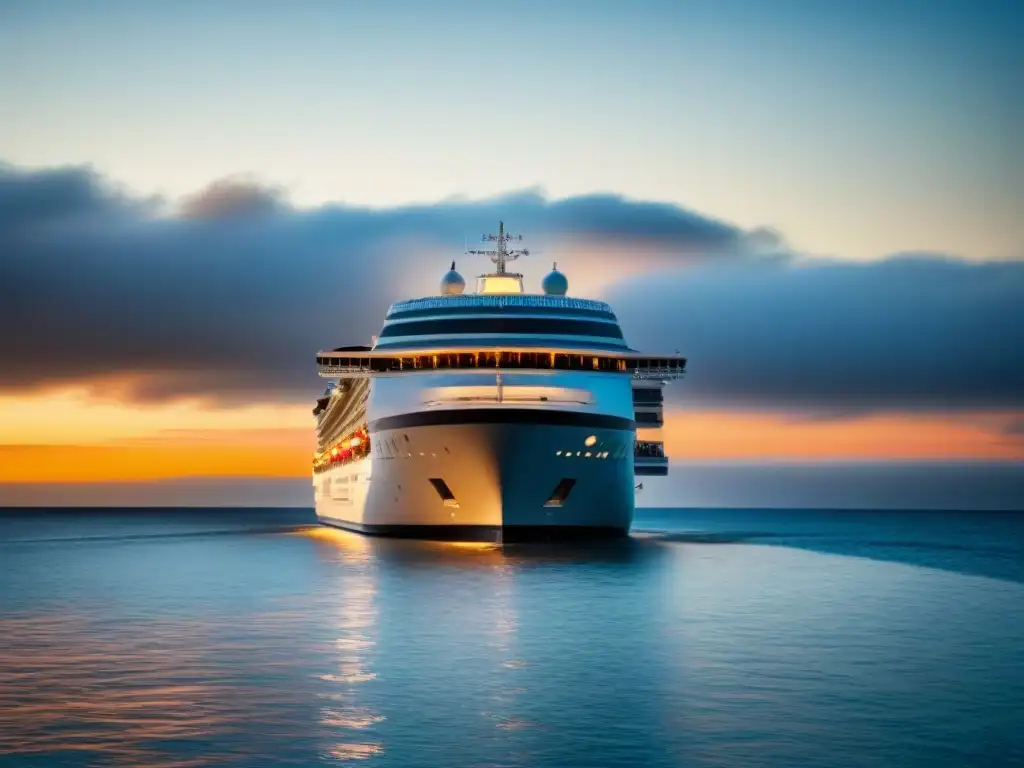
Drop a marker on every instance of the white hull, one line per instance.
(501, 475)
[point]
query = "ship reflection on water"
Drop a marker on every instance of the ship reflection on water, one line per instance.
(456, 644)
(343, 713)
(352, 547)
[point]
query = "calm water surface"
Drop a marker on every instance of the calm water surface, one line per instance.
(712, 637)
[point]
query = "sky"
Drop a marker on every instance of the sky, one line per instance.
(817, 202)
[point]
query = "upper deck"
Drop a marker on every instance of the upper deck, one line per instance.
(499, 327)
(483, 320)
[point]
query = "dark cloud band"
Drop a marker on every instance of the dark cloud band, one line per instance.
(237, 290)
(907, 332)
(231, 296)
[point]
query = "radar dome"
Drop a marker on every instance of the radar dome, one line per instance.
(452, 283)
(555, 283)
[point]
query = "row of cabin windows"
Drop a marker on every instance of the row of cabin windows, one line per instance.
(576, 313)
(504, 325)
(513, 360)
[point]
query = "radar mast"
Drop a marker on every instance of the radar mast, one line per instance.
(501, 254)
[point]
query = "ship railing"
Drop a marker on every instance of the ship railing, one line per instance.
(663, 372)
(649, 449)
(339, 365)
(498, 301)
(511, 399)
(348, 370)
(649, 459)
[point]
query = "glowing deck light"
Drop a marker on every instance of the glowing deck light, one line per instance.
(590, 440)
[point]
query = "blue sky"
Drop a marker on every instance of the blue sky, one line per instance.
(856, 129)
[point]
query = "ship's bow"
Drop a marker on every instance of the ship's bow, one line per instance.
(503, 475)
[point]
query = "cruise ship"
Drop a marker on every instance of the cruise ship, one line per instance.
(498, 415)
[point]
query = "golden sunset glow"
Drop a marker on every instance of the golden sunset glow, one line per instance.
(210, 457)
(76, 417)
(73, 437)
(70, 436)
(697, 435)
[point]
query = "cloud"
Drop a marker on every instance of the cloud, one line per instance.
(912, 331)
(58, 197)
(232, 296)
(227, 198)
(1014, 428)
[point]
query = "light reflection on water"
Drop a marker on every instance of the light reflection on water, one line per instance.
(216, 640)
(349, 722)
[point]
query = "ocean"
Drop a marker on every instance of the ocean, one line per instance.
(252, 637)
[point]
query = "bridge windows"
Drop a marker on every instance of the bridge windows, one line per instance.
(504, 325)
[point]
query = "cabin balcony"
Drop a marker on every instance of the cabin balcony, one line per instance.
(649, 458)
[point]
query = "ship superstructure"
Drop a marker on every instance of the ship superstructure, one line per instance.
(496, 415)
